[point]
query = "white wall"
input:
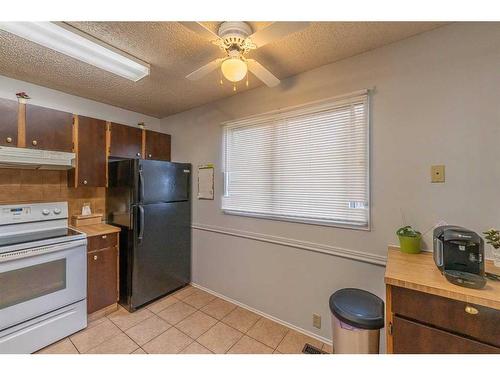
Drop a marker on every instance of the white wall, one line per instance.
(436, 101)
(46, 97)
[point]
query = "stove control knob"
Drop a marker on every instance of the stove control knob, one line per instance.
(45, 212)
(57, 211)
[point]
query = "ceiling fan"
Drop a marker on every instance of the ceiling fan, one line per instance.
(236, 40)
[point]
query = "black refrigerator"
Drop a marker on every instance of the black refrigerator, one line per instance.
(151, 202)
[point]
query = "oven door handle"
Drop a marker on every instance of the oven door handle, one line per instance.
(36, 251)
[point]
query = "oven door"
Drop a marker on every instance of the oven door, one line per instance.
(40, 280)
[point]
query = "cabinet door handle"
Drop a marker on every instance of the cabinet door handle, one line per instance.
(471, 310)
(150, 156)
(85, 182)
(8, 140)
(34, 142)
(95, 257)
(138, 154)
(104, 237)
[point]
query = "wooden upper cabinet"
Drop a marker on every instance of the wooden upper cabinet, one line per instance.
(125, 141)
(8, 122)
(48, 129)
(91, 153)
(157, 146)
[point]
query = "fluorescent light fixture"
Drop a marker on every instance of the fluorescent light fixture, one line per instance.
(72, 42)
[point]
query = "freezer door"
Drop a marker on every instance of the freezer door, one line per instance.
(161, 181)
(162, 251)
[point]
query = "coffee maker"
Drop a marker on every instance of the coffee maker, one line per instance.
(459, 255)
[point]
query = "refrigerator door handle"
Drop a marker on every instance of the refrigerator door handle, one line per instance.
(141, 223)
(141, 183)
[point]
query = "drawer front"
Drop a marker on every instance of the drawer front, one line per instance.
(414, 338)
(477, 322)
(102, 241)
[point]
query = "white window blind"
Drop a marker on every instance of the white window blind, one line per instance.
(307, 164)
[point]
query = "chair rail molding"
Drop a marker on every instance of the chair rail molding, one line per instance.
(356, 255)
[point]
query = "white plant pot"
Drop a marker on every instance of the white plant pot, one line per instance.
(22, 100)
(496, 257)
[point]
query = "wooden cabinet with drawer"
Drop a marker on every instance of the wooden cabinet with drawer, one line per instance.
(102, 267)
(425, 323)
(426, 314)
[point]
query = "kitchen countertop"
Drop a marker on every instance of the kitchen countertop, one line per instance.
(92, 230)
(419, 272)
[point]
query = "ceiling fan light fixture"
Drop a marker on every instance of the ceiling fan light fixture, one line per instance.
(234, 69)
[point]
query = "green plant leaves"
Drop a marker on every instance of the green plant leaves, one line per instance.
(408, 231)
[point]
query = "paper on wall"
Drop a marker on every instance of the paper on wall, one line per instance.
(206, 181)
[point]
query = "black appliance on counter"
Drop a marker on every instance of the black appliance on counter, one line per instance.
(151, 202)
(459, 254)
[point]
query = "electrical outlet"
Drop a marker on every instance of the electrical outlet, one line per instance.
(437, 173)
(316, 320)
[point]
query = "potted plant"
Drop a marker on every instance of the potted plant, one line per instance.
(409, 240)
(492, 237)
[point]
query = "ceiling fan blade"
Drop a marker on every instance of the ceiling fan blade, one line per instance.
(262, 73)
(201, 30)
(204, 70)
(276, 31)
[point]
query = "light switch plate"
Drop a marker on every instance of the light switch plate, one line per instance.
(316, 320)
(437, 173)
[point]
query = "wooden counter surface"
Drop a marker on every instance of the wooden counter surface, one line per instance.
(419, 272)
(97, 229)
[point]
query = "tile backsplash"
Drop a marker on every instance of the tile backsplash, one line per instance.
(32, 186)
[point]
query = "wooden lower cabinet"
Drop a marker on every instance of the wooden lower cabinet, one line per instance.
(102, 274)
(423, 323)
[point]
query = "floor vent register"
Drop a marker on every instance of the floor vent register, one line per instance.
(309, 349)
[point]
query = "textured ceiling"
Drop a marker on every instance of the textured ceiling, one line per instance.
(173, 52)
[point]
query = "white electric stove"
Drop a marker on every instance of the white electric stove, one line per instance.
(43, 276)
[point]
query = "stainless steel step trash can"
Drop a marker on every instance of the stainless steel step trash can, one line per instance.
(357, 317)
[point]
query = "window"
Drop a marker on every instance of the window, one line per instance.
(307, 164)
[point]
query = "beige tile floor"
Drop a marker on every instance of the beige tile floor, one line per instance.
(190, 321)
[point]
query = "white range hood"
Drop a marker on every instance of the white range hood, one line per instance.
(26, 158)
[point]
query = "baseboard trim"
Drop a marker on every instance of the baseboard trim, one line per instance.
(359, 256)
(270, 317)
